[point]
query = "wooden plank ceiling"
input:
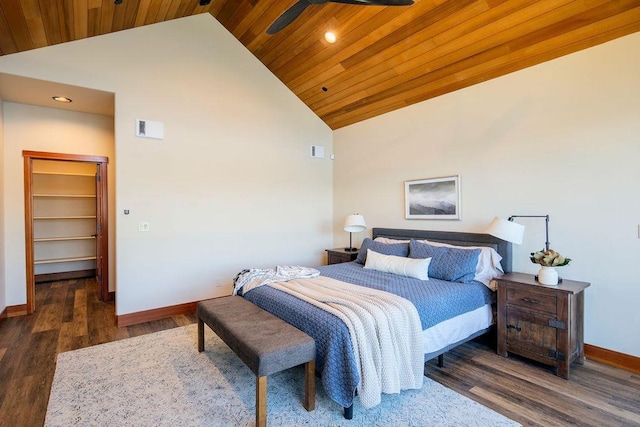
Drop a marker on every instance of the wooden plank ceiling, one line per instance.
(385, 57)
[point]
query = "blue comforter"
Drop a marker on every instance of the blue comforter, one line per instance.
(435, 300)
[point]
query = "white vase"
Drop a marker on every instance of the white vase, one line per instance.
(548, 276)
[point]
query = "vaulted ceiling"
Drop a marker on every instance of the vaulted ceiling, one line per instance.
(385, 58)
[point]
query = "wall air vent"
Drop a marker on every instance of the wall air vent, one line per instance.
(317, 151)
(149, 129)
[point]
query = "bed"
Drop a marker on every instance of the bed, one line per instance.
(450, 312)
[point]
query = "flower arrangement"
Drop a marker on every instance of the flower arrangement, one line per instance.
(549, 258)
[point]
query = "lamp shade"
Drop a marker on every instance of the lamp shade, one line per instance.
(355, 224)
(506, 230)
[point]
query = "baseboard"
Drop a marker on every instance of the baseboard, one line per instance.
(612, 358)
(67, 275)
(16, 310)
(3, 315)
(155, 314)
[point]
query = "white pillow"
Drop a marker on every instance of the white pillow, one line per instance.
(488, 266)
(386, 240)
(410, 267)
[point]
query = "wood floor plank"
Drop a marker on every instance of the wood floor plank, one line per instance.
(80, 313)
(65, 338)
(67, 305)
(48, 317)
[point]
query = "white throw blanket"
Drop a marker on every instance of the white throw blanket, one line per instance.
(249, 279)
(385, 331)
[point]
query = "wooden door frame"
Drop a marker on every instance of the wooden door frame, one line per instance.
(101, 161)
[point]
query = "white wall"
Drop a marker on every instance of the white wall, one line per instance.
(561, 138)
(232, 184)
(3, 287)
(34, 128)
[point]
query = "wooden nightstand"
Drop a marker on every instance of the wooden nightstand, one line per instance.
(543, 323)
(338, 255)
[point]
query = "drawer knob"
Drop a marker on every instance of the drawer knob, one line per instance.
(517, 328)
(531, 301)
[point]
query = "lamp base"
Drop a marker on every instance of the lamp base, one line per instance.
(351, 249)
(559, 279)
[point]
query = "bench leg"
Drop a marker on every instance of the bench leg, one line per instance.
(200, 335)
(261, 401)
(310, 385)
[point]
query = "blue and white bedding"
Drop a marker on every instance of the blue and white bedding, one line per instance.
(385, 332)
(435, 300)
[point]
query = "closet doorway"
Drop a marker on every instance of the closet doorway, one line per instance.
(66, 220)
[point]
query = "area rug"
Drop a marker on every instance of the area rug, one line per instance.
(160, 379)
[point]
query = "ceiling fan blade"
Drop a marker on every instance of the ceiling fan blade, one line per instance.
(294, 11)
(288, 16)
(376, 2)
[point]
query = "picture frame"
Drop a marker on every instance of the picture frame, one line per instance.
(433, 198)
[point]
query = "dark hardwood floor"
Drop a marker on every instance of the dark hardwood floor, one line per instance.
(69, 316)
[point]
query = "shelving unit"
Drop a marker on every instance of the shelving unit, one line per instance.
(64, 219)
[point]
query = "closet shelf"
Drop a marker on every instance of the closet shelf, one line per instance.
(64, 217)
(64, 174)
(66, 195)
(59, 260)
(62, 239)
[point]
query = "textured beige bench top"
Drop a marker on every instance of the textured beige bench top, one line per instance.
(264, 342)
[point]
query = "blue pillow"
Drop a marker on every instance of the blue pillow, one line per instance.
(451, 264)
(397, 249)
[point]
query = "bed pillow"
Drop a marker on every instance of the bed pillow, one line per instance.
(388, 240)
(397, 249)
(451, 264)
(488, 267)
(402, 266)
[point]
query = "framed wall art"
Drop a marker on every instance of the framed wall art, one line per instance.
(433, 198)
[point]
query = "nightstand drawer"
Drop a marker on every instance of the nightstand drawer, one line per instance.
(337, 258)
(340, 255)
(531, 300)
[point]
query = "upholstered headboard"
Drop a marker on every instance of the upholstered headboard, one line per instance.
(453, 238)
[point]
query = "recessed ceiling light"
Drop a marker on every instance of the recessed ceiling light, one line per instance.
(330, 37)
(62, 99)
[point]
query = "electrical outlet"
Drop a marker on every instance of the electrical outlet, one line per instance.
(143, 226)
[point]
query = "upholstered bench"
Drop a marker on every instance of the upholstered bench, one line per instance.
(265, 343)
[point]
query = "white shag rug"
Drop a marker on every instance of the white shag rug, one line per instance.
(160, 379)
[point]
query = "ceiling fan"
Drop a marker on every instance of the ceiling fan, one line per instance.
(294, 11)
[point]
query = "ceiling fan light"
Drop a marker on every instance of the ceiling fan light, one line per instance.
(330, 37)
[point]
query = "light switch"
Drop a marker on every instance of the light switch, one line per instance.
(143, 226)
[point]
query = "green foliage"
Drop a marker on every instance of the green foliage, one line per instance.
(549, 258)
